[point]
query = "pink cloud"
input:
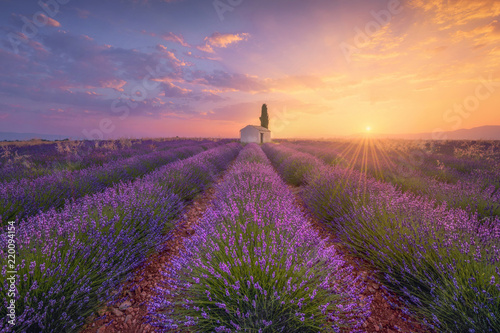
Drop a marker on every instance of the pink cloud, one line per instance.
(170, 55)
(171, 37)
(171, 90)
(152, 34)
(115, 84)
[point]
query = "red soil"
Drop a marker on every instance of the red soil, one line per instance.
(384, 318)
(128, 316)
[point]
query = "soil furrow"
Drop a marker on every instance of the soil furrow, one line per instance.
(384, 318)
(128, 314)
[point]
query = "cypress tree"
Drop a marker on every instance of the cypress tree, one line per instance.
(264, 117)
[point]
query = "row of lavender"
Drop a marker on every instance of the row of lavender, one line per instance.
(446, 161)
(32, 161)
(476, 188)
(255, 264)
(25, 197)
(70, 260)
(443, 262)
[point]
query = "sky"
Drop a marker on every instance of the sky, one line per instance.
(325, 68)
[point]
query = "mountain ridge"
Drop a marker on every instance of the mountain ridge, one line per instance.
(12, 136)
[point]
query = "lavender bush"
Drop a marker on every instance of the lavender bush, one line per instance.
(292, 165)
(442, 261)
(35, 160)
(73, 259)
(255, 264)
(463, 182)
(25, 197)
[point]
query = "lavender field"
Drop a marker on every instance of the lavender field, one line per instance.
(285, 242)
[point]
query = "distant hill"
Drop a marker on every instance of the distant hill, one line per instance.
(11, 136)
(476, 133)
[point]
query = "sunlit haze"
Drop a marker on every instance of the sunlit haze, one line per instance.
(325, 68)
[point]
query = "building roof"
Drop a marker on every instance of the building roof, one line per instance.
(259, 128)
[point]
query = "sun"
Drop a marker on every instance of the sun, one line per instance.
(368, 128)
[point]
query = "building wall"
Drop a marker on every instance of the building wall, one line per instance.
(249, 135)
(267, 137)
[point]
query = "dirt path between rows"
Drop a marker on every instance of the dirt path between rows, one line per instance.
(384, 318)
(128, 315)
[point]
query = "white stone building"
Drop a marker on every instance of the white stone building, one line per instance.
(257, 134)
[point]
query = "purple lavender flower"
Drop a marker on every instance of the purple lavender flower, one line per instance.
(85, 250)
(276, 259)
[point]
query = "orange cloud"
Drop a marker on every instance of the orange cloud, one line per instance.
(170, 55)
(449, 14)
(114, 84)
(222, 41)
(50, 21)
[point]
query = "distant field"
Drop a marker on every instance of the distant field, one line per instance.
(25, 143)
(80, 218)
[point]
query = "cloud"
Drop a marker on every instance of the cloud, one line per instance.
(41, 18)
(115, 84)
(161, 47)
(496, 27)
(468, 29)
(227, 82)
(196, 56)
(171, 90)
(82, 13)
(168, 36)
(248, 112)
(171, 37)
(221, 41)
(450, 14)
(240, 112)
(170, 55)
(236, 81)
(296, 83)
(51, 22)
(44, 20)
(76, 71)
(76, 47)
